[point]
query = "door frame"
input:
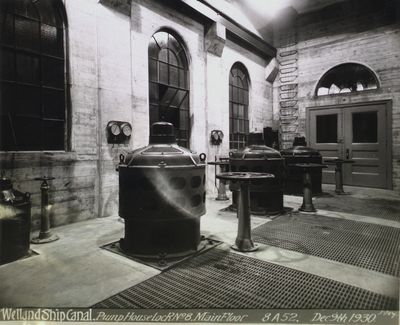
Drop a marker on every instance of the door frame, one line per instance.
(388, 125)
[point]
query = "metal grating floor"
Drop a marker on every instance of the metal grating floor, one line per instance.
(369, 246)
(371, 207)
(220, 279)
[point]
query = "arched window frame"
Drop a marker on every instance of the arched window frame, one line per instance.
(238, 106)
(169, 89)
(33, 113)
(346, 78)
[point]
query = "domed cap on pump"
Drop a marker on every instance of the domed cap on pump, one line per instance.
(162, 132)
(162, 151)
(300, 149)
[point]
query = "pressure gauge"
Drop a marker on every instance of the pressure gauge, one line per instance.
(126, 129)
(118, 132)
(215, 135)
(115, 129)
(220, 135)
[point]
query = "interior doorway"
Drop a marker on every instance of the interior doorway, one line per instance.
(359, 132)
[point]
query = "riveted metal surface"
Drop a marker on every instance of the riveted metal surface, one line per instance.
(219, 279)
(365, 245)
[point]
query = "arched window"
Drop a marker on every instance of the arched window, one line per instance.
(168, 84)
(238, 106)
(346, 78)
(32, 112)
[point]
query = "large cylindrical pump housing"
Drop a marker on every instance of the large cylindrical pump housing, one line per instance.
(161, 196)
(15, 222)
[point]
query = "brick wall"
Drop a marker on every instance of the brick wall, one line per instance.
(367, 33)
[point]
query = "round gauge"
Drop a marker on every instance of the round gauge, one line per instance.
(220, 135)
(215, 135)
(126, 129)
(115, 129)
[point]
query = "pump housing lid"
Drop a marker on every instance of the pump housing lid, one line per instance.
(162, 151)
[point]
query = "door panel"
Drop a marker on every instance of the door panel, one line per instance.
(365, 141)
(326, 136)
(360, 134)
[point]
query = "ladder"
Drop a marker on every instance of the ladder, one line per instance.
(288, 90)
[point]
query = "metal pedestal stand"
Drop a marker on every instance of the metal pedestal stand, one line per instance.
(224, 167)
(243, 241)
(339, 173)
(307, 205)
(45, 235)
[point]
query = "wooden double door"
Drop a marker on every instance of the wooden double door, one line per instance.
(359, 133)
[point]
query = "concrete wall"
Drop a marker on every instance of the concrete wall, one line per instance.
(108, 80)
(367, 33)
(260, 97)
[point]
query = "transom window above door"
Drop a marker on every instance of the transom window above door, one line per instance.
(347, 78)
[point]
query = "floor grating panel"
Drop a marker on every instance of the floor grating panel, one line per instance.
(365, 245)
(371, 207)
(220, 279)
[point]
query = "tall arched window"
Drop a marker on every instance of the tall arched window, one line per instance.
(32, 112)
(168, 84)
(346, 78)
(238, 106)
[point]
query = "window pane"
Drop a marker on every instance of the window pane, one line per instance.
(53, 135)
(7, 96)
(365, 127)
(246, 97)
(184, 120)
(182, 79)
(53, 72)
(171, 115)
(53, 104)
(27, 33)
(241, 111)
(327, 128)
(346, 78)
(27, 101)
(235, 94)
(52, 40)
(185, 103)
(7, 64)
(153, 93)
(6, 134)
(153, 72)
(235, 110)
(153, 49)
(26, 8)
(241, 97)
(28, 68)
(7, 30)
(48, 13)
(176, 102)
(167, 96)
(163, 55)
(28, 133)
(163, 72)
(161, 39)
(154, 116)
(173, 76)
